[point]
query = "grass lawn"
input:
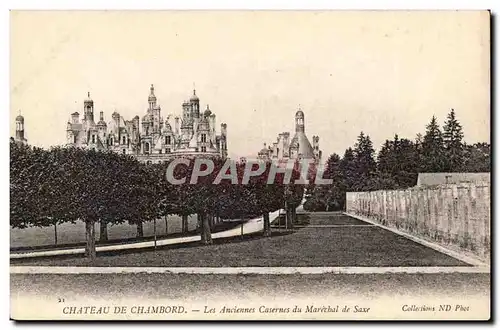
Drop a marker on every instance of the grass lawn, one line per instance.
(332, 246)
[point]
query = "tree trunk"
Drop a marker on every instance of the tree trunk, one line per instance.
(90, 240)
(267, 225)
(294, 216)
(103, 232)
(212, 222)
(206, 234)
(287, 217)
(166, 225)
(184, 223)
(199, 222)
(288, 221)
(55, 232)
(140, 230)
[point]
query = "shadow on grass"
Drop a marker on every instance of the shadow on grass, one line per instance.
(223, 226)
(303, 219)
(218, 241)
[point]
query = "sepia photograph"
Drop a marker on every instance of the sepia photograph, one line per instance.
(182, 165)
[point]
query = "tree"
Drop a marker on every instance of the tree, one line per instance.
(386, 158)
(334, 193)
(453, 144)
(397, 162)
(27, 173)
(432, 155)
(477, 158)
(267, 197)
(364, 160)
(348, 169)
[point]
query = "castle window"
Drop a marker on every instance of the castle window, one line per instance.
(203, 149)
(203, 138)
(124, 151)
(93, 138)
(167, 139)
(160, 151)
(146, 148)
(167, 151)
(124, 140)
(74, 138)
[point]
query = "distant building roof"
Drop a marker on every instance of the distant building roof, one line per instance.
(301, 142)
(433, 179)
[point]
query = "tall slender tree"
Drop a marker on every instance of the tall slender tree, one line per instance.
(453, 144)
(364, 156)
(432, 155)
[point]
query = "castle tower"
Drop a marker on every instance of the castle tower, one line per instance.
(195, 104)
(88, 108)
(299, 121)
(186, 114)
(70, 137)
(152, 98)
(300, 147)
(223, 140)
(101, 127)
(20, 128)
(315, 142)
(135, 129)
(155, 111)
(317, 152)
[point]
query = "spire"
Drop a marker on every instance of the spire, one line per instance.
(194, 98)
(152, 97)
(88, 100)
(20, 116)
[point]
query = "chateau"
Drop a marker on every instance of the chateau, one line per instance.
(152, 138)
(298, 147)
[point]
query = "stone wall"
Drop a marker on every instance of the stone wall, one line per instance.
(454, 215)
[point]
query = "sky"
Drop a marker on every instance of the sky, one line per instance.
(382, 73)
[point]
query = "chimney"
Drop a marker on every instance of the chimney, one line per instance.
(176, 126)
